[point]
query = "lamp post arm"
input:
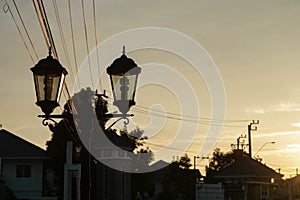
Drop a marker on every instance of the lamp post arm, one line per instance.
(263, 147)
(51, 118)
(121, 116)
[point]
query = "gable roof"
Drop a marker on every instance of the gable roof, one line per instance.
(247, 167)
(14, 147)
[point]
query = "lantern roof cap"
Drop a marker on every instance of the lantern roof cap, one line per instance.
(123, 65)
(48, 64)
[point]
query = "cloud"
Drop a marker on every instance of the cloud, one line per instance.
(272, 134)
(296, 124)
(282, 107)
(290, 148)
(255, 110)
(287, 107)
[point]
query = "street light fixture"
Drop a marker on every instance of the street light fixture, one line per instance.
(49, 76)
(263, 147)
(123, 74)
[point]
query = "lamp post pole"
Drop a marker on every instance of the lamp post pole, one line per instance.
(49, 76)
(250, 128)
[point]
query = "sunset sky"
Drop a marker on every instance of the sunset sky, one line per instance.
(254, 44)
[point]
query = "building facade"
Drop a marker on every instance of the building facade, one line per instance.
(22, 167)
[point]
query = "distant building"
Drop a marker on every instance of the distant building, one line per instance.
(173, 182)
(111, 183)
(22, 166)
(293, 187)
(248, 179)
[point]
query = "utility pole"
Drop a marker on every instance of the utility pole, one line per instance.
(238, 142)
(251, 128)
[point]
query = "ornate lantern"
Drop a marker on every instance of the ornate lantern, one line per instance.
(49, 76)
(123, 74)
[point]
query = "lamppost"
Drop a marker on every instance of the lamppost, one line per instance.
(263, 147)
(49, 76)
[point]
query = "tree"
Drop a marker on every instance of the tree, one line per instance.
(219, 161)
(79, 120)
(184, 162)
(179, 180)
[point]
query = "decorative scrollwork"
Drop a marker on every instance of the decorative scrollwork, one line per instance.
(45, 121)
(125, 122)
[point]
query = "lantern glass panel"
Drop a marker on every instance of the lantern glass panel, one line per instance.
(48, 87)
(39, 86)
(116, 86)
(132, 86)
(61, 83)
(52, 87)
(124, 86)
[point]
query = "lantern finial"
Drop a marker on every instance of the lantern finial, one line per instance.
(123, 52)
(50, 52)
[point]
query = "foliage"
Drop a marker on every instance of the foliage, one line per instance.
(219, 161)
(184, 162)
(80, 120)
(179, 180)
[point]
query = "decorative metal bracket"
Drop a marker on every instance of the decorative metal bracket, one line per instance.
(121, 116)
(51, 118)
(48, 118)
(125, 117)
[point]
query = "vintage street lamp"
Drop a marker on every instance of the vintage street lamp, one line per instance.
(49, 76)
(123, 74)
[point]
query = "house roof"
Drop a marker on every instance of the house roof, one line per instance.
(14, 147)
(248, 167)
(295, 179)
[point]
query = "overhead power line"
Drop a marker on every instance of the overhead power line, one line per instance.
(87, 41)
(26, 31)
(62, 38)
(73, 41)
(192, 120)
(96, 43)
(6, 8)
(191, 117)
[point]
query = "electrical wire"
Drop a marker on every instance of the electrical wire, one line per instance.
(87, 42)
(41, 23)
(192, 117)
(73, 41)
(26, 31)
(48, 28)
(176, 116)
(6, 8)
(195, 120)
(96, 43)
(63, 41)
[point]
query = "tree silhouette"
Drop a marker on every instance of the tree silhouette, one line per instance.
(179, 180)
(219, 161)
(184, 162)
(79, 126)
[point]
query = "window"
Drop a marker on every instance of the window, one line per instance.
(121, 153)
(264, 192)
(23, 171)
